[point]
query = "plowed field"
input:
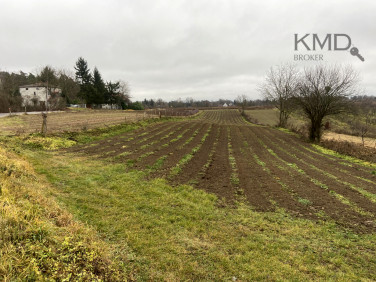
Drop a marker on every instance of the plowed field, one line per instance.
(267, 168)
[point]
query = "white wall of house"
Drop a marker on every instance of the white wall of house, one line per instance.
(31, 92)
(110, 107)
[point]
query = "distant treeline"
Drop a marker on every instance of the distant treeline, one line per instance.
(86, 87)
(81, 86)
(362, 101)
(191, 103)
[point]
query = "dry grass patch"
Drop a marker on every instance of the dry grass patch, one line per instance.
(356, 140)
(38, 239)
(69, 121)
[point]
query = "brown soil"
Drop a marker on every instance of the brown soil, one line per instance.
(321, 199)
(166, 147)
(127, 139)
(177, 152)
(283, 196)
(217, 176)
(194, 167)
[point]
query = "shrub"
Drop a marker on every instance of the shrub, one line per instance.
(351, 149)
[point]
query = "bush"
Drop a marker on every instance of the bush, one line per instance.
(136, 106)
(351, 149)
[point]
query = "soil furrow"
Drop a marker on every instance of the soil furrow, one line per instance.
(335, 183)
(163, 150)
(281, 192)
(319, 196)
(353, 175)
(145, 143)
(117, 142)
(251, 176)
(193, 167)
(179, 150)
(217, 177)
(310, 152)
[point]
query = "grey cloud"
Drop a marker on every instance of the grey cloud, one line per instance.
(172, 49)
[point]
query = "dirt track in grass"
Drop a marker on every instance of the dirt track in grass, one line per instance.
(268, 168)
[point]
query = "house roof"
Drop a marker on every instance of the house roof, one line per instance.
(40, 84)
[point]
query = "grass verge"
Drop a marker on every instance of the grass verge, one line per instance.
(41, 241)
(179, 233)
(351, 159)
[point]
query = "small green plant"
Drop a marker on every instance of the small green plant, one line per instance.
(305, 202)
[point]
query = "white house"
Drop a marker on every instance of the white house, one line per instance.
(37, 94)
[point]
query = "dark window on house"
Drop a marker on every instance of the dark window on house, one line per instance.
(35, 93)
(27, 88)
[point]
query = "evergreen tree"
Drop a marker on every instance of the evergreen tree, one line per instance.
(112, 92)
(84, 78)
(118, 93)
(83, 75)
(100, 88)
(48, 75)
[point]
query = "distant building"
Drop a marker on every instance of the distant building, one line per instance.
(110, 106)
(37, 94)
(225, 105)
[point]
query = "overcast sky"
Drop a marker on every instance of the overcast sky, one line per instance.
(179, 49)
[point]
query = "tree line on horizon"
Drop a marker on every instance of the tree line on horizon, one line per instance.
(79, 87)
(83, 86)
(192, 103)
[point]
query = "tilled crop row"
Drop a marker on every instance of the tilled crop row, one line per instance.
(325, 197)
(269, 169)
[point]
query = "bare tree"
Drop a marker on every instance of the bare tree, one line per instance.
(362, 125)
(47, 75)
(324, 91)
(125, 90)
(280, 87)
(69, 86)
(189, 102)
(160, 103)
(242, 100)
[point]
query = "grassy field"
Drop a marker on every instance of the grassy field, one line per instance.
(130, 186)
(73, 120)
(264, 116)
(340, 128)
(270, 117)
